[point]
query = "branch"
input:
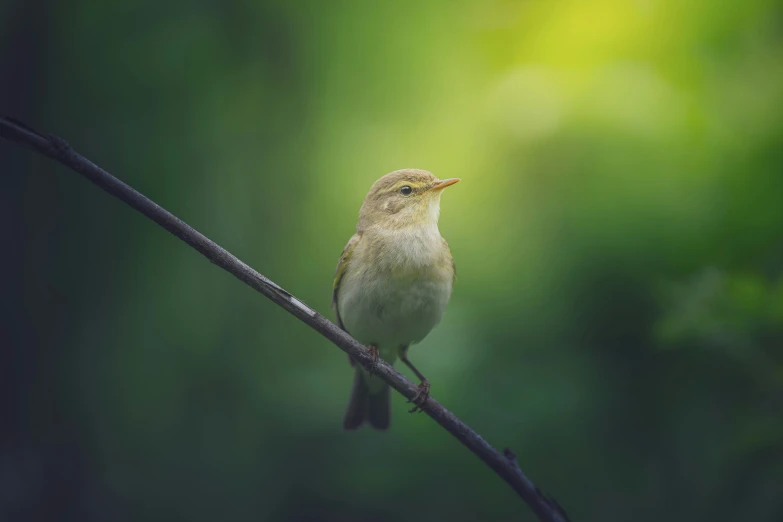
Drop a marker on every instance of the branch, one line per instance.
(504, 466)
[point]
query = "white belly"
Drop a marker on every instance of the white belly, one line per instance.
(391, 312)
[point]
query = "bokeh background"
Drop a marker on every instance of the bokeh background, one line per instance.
(618, 315)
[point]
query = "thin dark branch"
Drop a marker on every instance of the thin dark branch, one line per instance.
(507, 468)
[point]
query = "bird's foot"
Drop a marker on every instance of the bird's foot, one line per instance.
(421, 397)
(374, 353)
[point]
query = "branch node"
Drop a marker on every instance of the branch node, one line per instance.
(61, 147)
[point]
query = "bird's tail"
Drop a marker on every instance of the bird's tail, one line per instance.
(373, 406)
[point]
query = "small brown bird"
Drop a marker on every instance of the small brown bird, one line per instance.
(393, 282)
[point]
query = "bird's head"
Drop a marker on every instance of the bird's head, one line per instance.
(403, 198)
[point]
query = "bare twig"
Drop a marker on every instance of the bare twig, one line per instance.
(504, 465)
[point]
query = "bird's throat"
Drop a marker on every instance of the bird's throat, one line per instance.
(412, 248)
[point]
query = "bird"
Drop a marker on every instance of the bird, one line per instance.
(392, 284)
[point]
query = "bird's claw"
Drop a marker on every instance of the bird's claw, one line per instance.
(374, 353)
(421, 397)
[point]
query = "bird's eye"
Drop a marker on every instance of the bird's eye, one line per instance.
(406, 190)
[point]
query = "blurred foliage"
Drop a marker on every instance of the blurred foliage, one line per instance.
(618, 315)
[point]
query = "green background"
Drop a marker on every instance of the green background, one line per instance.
(618, 315)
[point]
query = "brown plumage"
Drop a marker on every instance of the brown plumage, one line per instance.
(393, 280)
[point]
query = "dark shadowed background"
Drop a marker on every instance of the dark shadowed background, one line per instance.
(618, 315)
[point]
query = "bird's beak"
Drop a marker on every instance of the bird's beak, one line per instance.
(440, 185)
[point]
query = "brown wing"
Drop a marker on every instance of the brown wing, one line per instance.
(342, 267)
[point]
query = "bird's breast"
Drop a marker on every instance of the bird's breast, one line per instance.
(397, 288)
